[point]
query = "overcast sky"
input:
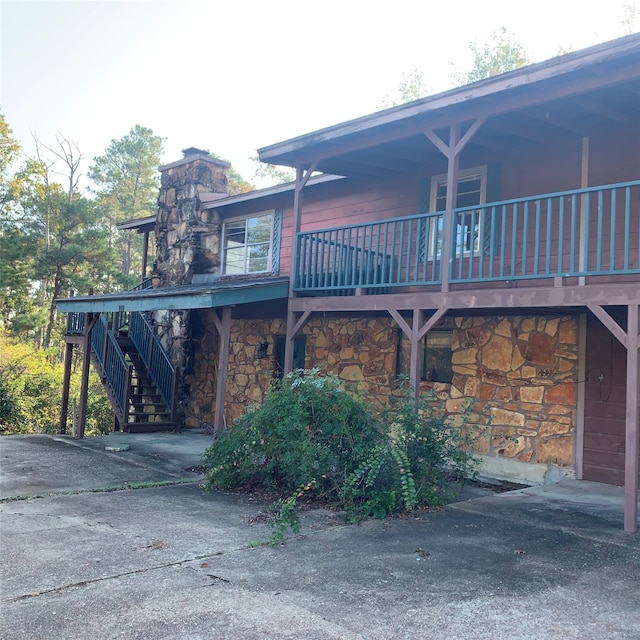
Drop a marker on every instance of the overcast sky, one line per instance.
(232, 76)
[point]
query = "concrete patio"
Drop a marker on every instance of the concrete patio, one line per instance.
(165, 560)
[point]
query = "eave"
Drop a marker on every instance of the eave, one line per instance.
(204, 295)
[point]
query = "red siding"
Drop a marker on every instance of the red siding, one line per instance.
(604, 421)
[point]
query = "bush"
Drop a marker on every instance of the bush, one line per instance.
(311, 436)
(425, 461)
(307, 428)
(30, 391)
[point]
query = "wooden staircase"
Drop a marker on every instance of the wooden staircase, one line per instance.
(147, 410)
(138, 376)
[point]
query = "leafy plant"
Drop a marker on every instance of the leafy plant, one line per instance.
(308, 426)
(311, 436)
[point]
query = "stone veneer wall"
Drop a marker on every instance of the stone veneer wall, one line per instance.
(517, 375)
(520, 375)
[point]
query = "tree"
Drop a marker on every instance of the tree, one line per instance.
(127, 186)
(498, 54)
(272, 172)
(629, 18)
(19, 184)
(412, 87)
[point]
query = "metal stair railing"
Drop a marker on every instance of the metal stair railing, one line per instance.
(114, 366)
(155, 358)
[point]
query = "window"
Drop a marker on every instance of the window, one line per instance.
(247, 244)
(435, 355)
(472, 190)
(299, 354)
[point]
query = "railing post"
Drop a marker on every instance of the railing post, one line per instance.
(174, 395)
(125, 399)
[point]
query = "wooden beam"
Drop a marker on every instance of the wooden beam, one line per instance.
(145, 254)
(223, 365)
(66, 386)
(632, 431)
(401, 322)
(609, 323)
(302, 177)
(470, 132)
(580, 396)
(453, 160)
(414, 364)
(90, 322)
(528, 296)
(429, 324)
(300, 322)
(437, 141)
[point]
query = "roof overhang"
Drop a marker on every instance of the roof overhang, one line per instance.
(560, 80)
(200, 295)
(210, 201)
(141, 225)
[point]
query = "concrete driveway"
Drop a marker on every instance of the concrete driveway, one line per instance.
(165, 560)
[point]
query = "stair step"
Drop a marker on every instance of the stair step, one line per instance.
(147, 427)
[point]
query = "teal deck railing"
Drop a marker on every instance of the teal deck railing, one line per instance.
(113, 364)
(112, 361)
(372, 256)
(582, 232)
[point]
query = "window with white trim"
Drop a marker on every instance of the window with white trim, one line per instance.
(472, 190)
(247, 244)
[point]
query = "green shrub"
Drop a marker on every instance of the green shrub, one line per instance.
(307, 427)
(310, 435)
(425, 462)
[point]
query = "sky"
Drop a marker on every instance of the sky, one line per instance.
(233, 76)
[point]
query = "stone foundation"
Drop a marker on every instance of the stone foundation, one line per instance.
(514, 377)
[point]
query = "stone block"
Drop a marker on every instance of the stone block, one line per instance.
(568, 332)
(471, 386)
(352, 372)
(504, 328)
(464, 356)
(497, 354)
(527, 325)
(552, 326)
(504, 417)
(532, 394)
(555, 450)
(563, 393)
(539, 349)
(553, 428)
(454, 405)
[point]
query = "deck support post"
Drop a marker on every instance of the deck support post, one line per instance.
(452, 151)
(224, 330)
(302, 177)
(66, 386)
(145, 254)
(631, 341)
(632, 431)
(414, 367)
(90, 322)
(415, 333)
(66, 380)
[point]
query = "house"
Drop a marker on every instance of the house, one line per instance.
(484, 241)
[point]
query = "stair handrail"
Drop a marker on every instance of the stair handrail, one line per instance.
(115, 368)
(154, 356)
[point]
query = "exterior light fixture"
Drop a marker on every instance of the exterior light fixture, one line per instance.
(262, 350)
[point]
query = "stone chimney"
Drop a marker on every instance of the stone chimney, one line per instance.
(187, 240)
(180, 222)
